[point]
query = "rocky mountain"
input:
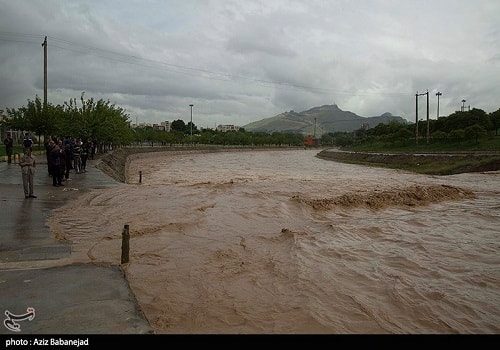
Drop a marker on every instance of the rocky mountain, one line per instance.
(329, 118)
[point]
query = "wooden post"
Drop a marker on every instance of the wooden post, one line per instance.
(125, 244)
(140, 177)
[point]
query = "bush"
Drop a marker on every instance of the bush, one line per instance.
(439, 136)
(457, 135)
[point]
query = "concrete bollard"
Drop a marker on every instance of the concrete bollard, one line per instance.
(140, 177)
(125, 244)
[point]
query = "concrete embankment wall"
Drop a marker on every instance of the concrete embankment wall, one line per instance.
(115, 163)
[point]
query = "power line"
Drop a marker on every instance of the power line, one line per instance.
(227, 75)
(36, 36)
(18, 41)
(213, 75)
(129, 62)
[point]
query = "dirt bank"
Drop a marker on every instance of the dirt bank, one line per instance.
(406, 197)
(433, 164)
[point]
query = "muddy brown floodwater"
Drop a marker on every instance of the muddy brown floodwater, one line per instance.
(283, 242)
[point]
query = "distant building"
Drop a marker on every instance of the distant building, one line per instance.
(229, 127)
(167, 126)
(163, 126)
(17, 135)
(310, 141)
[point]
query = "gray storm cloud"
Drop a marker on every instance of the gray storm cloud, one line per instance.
(241, 61)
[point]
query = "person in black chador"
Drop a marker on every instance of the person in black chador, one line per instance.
(9, 146)
(48, 148)
(55, 164)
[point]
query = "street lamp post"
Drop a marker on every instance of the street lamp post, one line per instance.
(438, 94)
(191, 105)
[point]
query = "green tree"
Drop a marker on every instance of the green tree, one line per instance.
(178, 125)
(474, 132)
(457, 135)
(327, 139)
(188, 128)
(439, 136)
(495, 119)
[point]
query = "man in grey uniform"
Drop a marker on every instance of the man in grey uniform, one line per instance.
(27, 163)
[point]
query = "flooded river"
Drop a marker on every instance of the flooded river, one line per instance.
(284, 242)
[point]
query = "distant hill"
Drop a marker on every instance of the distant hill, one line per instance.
(329, 118)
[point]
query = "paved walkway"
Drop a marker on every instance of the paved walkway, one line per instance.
(80, 298)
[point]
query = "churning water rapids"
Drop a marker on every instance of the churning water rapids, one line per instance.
(284, 242)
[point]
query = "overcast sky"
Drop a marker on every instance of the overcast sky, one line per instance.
(241, 61)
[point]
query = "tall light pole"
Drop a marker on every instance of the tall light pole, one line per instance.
(191, 105)
(44, 45)
(416, 117)
(428, 132)
(438, 94)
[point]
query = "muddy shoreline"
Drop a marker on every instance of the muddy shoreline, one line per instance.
(432, 164)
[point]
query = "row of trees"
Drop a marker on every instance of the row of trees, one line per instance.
(100, 121)
(212, 137)
(108, 126)
(457, 127)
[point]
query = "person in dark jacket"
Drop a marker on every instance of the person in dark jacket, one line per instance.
(84, 155)
(28, 142)
(67, 158)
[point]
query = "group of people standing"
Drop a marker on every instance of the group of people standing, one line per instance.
(63, 155)
(66, 154)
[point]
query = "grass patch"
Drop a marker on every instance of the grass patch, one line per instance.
(431, 164)
(484, 144)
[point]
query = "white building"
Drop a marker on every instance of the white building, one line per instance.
(167, 126)
(163, 126)
(229, 127)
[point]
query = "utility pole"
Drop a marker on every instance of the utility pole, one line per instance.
(428, 133)
(438, 94)
(314, 128)
(469, 108)
(191, 105)
(44, 45)
(416, 114)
